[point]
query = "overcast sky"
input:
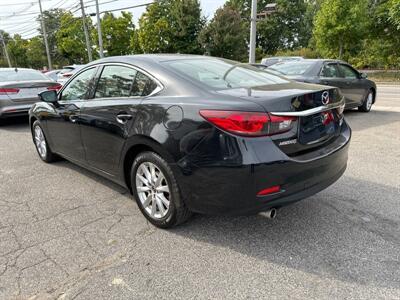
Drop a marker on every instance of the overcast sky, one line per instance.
(23, 22)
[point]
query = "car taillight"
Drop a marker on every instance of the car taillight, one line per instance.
(7, 91)
(248, 123)
(54, 87)
(280, 124)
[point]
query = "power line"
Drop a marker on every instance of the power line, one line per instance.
(23, 3)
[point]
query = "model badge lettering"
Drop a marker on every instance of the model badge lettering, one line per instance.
(289, 142)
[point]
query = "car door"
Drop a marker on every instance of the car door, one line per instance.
(108, 116)
(63, 123)
(330, 75)
(353, 88)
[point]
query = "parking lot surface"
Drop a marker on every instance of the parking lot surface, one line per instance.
(66, 233)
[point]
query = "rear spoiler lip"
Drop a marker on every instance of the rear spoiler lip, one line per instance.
(311, 111)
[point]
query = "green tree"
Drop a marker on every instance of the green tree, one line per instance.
(35, 53)
(17, 47)
(52, 20)
(3, 60)
(225, 36)
(171, 26)
(288, 28)
(70, 38)
(117, 33)
(394, 12)
(340, 26)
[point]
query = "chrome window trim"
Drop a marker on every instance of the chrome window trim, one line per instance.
(311, 111)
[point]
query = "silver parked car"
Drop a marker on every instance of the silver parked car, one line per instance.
(53, 74)
(19, 89)
(67, 72)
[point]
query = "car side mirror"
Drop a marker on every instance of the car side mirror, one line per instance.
(48, 96)
(363, 76)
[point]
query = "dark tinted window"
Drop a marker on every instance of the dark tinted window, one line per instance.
(330, 70)
(115, 81)
(143, 85)
(79, 86)
(21, 75)
(220, 74)
(348, 72)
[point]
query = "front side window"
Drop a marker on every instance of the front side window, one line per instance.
(330, 71)
(115, 81)
(348, 72)
(78, 88)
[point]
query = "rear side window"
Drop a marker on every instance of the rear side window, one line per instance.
(120, 81)
(143, 85)
(115, 81)
(21, 75)
(330, 71)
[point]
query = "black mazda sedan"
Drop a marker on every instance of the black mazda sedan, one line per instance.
(358, 90)
(195, 134)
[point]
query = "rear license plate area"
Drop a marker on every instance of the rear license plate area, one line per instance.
(316, 128)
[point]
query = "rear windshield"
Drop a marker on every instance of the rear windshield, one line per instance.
(21, 75)
(293, 67)
(222, 74)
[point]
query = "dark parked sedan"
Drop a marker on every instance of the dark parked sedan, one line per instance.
(196, 134)
(358, 90)
(19, 89)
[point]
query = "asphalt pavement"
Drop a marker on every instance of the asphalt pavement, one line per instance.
(66, 233)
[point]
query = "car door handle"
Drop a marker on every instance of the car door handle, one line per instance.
(123, 118)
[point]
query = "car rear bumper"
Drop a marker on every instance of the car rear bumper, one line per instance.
(13, 110)
(232, 189)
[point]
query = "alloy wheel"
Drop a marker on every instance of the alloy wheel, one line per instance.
(40, 141)
(370, 99)
(153, 190)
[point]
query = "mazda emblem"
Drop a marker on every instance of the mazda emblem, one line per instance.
(325, 98)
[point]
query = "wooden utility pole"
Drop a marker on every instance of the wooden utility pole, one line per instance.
(46, 44)
(88, 46)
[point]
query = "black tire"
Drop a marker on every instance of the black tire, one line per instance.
(177, 212)
(49, 156)
(367, 103)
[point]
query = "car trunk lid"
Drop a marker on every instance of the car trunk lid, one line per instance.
(317, 112)
(26, 91)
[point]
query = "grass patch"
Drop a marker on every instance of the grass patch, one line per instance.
(385, 76)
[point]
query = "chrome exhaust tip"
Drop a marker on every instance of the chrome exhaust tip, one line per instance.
(270, 214)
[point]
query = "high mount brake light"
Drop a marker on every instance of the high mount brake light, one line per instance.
(248, 123)
(7, 91)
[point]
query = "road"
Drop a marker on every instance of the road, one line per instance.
(66, 233)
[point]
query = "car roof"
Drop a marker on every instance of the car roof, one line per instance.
(152, 58)
(283, 57)
(17, 69)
